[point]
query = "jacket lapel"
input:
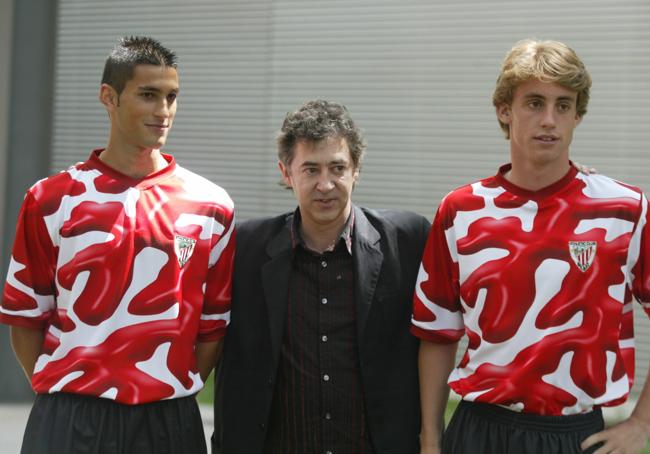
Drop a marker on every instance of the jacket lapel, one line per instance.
(367, 258)
(275, 279)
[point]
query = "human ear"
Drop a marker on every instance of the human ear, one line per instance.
(355, 174)
(578, 119)
(503, 113)
(284, 170)
(108, 96)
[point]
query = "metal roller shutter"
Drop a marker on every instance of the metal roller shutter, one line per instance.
(416, 75)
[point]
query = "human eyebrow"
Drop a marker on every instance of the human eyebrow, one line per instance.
(148, 88)
(152, 89)
(534, 96)
(566, 98)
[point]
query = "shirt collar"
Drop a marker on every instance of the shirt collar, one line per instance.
(346, 234)
(141, 183)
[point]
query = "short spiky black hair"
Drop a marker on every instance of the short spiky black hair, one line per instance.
(130, 52)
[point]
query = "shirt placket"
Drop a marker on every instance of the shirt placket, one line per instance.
(325, 350)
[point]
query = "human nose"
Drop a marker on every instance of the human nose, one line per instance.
(163, 109)
(324, 182)
(548, 117)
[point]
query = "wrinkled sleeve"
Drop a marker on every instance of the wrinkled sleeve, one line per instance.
(638, 257)
(216, 306)
(436, 303)
(29, 294)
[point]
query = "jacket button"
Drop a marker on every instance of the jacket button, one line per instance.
(262, 426)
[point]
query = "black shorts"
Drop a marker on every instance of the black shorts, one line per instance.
(490, 429)
(71, 423)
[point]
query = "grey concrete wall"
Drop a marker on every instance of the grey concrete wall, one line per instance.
(28, 58)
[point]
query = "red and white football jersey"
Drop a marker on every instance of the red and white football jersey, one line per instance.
(124, 276)
(542, 284)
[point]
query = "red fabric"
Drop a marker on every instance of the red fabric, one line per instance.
(100, 253)
(545, 337)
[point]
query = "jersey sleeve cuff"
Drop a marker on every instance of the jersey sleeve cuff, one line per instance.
(439, 337)
(13, 320)
(211, 336)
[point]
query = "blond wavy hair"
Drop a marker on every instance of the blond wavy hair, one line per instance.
(547, 61)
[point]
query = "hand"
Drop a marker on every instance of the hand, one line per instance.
(627, 437)
(584, 169)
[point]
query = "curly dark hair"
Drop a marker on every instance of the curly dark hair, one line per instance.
(131, 51)
(317, 120)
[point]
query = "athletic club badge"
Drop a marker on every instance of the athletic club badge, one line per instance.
(582, 253)
(183, 246)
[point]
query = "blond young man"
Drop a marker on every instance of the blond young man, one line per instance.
(538, 266)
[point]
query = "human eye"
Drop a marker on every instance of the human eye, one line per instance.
(535, 103)
(310, 171)
(338, 169)
(148, 95)
(564, 107)
(172, 97)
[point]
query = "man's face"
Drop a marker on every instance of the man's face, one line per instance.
(542, 117)
(322, 176)
(142, 115)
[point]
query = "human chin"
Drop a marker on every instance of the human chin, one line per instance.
(160, 140)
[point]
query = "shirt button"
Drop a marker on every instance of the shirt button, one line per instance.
(324, 301)
(328, 416)
(328, 452)
(326, 377)
(323, 264)
(324, 338)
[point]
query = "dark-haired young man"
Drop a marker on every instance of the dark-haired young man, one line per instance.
(318, 357)
(118, 290)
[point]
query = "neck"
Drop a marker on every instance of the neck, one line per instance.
(136, 164)
(534, 177)
(321, 237)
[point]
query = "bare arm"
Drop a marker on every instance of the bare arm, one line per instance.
(435, 363)
(207, 354)
(27, 344)
(629, 436)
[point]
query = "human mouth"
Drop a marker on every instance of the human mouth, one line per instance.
(158, 127)
(547, 138)
(325, 203)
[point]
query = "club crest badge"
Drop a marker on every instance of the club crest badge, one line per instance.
(184, 247)
(582, 253)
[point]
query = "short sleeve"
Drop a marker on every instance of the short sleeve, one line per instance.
(639, 254)
(29, 294)
(437, 313)
(215, 315)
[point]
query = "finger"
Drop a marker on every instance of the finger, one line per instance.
(593, 439)
(602, 450)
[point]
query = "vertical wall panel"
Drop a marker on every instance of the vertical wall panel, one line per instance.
(417, 75)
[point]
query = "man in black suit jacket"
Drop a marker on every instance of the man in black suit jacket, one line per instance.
(318, 357)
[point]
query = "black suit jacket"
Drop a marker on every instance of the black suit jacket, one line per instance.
(386, 249)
